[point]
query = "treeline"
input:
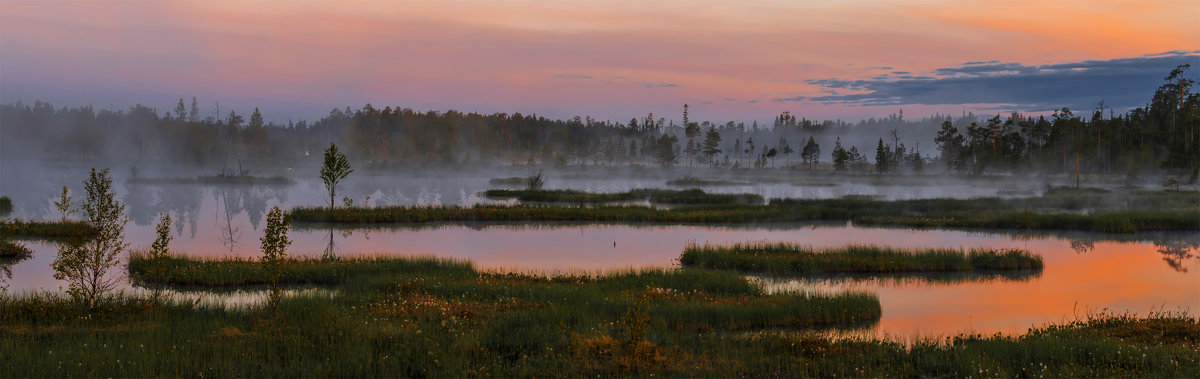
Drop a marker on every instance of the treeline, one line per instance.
(1159, 136)
(1163, 134)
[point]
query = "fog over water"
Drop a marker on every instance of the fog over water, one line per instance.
(1084, 271)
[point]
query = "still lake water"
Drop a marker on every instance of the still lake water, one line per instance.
(1083, 273)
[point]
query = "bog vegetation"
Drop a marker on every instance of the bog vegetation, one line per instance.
(792, 259)
(1059, 209)
(437, 317)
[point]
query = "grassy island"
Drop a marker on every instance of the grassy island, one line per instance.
(791, 259)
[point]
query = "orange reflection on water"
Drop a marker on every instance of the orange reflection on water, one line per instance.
(1119, 277)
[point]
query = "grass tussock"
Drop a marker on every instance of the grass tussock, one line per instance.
(654, 196)
(792, 259)
(46, 229)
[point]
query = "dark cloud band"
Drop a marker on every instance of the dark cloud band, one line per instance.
(1121, 83)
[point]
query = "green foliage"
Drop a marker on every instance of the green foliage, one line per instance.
(791, 259)
(6, 205)
(85, 265)
(811, 152)
(535, 182)
(665, 151)
(64, 204)
(157, 257)
(274, 247)
(840, 156)
(711, 146)
(162, 239)
(335, 168)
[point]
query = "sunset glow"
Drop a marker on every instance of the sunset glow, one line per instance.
(610, 60)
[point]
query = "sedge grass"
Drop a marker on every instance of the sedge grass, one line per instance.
(654, 196)
(993, 213)
(792, 259)
(46, 229)
(499, 325)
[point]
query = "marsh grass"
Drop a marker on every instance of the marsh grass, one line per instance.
(654, 196)
(240, 272)
(425, 317)
(60, 230)
(1162, 211)
(792, 259)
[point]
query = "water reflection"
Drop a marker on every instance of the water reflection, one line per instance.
(6, 270)
(1176, 253)
(1176, 250)
(1082, 247)
(1119, 272)
(230, 205)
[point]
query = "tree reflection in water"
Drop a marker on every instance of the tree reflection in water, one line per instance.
(1083, 247)
(1175, 250)
(231, 205)
(1175, 253)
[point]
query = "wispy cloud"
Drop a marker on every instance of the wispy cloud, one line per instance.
(789, 99)
(660, 85)
(573, 76)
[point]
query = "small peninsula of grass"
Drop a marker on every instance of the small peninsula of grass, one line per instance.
(46, 229)
(792, 259)
(654, 196)
(943, 213)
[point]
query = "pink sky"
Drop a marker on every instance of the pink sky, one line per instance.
(609, 59)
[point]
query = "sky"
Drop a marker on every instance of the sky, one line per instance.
(611, 60)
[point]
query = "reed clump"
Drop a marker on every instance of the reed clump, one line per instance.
(792, 259)
(654, 196)
(47, 229)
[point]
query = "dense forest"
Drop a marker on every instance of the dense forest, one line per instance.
(1158, 138)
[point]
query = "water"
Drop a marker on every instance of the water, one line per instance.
(1084, 272)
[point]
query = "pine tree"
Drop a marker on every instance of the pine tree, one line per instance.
(881, 157)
